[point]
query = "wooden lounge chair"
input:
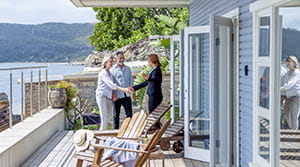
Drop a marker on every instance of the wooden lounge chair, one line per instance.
(174, 132)
(134, 127)
(143, 153)
(131, 128)
(155, 117)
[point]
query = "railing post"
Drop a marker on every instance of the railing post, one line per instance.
(31, 93)
(46, 88)
(22, 96)
(39, 91)
(11, 102)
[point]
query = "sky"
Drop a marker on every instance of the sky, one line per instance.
(43, 11)
(291, 17)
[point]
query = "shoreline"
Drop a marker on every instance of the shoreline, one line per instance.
(43, 63)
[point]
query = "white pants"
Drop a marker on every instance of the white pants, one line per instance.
(105, 106)
(291, 111)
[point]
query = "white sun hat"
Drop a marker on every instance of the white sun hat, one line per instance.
(82, 139)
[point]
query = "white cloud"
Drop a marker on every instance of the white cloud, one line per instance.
(42, 11)
(291, 17)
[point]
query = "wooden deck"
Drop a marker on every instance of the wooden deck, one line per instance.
(290, 148)
(59, 150)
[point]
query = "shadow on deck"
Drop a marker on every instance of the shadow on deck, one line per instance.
(59, 150)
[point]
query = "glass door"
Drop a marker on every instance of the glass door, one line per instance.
(196, 93)
(263, 90)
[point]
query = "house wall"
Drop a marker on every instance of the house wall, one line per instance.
(245, 84)
(199, 15)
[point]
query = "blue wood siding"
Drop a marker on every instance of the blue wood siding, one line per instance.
(246, 101)
(199, 15)
(201, 9)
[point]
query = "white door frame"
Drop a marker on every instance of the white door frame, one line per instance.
(191, 152)
(235, 15)
(275, 50)
(273, 113)
(221, 104)
(173, 73)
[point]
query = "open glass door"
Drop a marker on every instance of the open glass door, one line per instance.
(208, 92)
(263, 90)
(196, 93)
(221, 90)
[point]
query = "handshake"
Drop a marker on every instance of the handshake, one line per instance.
(129, 90)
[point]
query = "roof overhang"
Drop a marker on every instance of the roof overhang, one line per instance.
(132, 3)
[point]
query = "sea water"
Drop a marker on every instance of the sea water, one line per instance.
(55, 72)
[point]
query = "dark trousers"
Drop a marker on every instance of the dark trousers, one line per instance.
(126, 103)
(154, 101)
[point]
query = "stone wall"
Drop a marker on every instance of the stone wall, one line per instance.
(87, 85)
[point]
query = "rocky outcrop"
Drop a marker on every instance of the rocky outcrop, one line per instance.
(4, 113)
(133, 52)
(4, 108)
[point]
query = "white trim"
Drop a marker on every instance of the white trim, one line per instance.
(275, 117)
(131, 3)
(263, 4)
(235, 14)
(237, 88)
(172, 74)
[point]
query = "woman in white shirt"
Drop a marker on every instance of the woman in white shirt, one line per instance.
(291, 87)
(104, 91)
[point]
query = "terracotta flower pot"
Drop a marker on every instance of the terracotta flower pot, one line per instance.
(57, 97)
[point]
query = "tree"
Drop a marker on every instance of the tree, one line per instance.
(118, 27)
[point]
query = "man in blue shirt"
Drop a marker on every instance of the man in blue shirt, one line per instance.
(123, 77)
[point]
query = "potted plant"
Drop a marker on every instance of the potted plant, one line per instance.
(57, 94)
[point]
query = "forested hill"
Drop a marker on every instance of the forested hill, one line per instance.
(60, 42)
(291, 43)
(49, 42)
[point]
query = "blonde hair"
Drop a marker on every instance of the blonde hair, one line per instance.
(293, 59)
(105, 60)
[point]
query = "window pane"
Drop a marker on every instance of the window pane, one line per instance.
(199, 90)
(264, 138)
(264, 87)
(264, 36)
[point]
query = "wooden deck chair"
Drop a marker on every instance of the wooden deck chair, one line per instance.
(130, 128)
(155, 116)
(126, 132)
(174, 132)
(143, 153)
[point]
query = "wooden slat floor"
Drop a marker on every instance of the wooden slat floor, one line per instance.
(290, 148)
(59, 150)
